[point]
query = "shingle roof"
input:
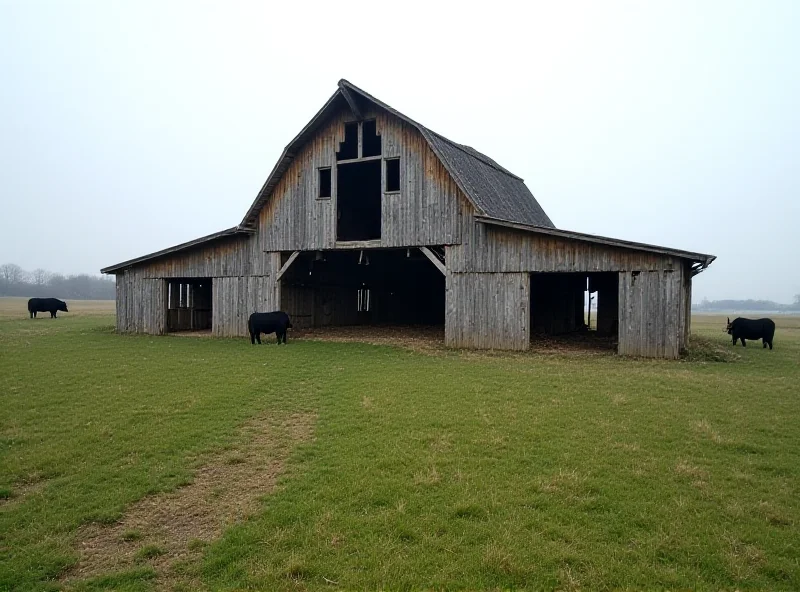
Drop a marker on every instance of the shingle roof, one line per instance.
(492, 190)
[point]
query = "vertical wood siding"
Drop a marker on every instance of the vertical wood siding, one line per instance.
(235, 298)
(142, 291)
(228, 257)
(488, 310)
(488, 249)
(426, 211)
(141, 304)
(652, 313)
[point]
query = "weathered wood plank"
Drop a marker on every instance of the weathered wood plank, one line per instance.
(287, 265)
(434, 259)
(488, 310)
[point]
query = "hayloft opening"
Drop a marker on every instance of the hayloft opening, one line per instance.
(564, 304)
(189, 304)
(358, 201)
(349, 148)
(363, 287)
(371, 140)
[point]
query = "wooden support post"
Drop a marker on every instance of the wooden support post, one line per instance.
(286, 265)
(434, 259)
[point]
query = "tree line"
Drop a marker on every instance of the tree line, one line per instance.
(15, 281)
(754, 305)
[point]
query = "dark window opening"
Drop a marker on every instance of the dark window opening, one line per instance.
(393, 174)
(358, 201)
(371, 141)
(324, 182)
(349, 148)
(189, 304)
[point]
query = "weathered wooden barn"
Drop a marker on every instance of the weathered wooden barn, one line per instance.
(371, 218)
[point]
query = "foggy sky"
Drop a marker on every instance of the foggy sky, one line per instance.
(127, 127)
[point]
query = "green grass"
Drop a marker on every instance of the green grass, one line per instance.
(148, 552)
(454, 470)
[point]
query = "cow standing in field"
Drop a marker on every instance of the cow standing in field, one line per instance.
(51, 305)
(268, 322)
(740, 328)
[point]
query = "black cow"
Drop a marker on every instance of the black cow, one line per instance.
(268, 322)
(51, 305)
(763, 329)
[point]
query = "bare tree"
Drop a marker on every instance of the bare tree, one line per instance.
(11, 273)
(40, 276)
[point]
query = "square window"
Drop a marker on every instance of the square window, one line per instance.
(393, 174)
(324, 182)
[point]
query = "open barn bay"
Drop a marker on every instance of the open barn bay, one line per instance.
(138, 463)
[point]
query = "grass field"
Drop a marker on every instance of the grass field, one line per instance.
(139, 463)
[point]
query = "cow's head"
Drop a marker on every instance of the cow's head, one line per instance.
(729, 328)
(62, 306)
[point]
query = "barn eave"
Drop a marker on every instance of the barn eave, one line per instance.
(202, 241)
(699, 261)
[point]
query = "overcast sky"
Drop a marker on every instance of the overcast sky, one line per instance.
(127, 127)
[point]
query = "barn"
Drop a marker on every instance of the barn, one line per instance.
(370, 218)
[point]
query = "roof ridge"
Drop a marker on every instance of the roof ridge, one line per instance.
(468, 150)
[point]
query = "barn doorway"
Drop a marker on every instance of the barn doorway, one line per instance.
(189, 305)
(358, 201)
(574, 306)
(369, 287)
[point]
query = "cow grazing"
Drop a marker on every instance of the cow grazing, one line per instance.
(51, 305)
(268, 322)
(763, 329)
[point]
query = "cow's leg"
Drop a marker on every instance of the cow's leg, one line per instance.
(258, 337)
(53, 314)
(743, 343)
(763, 344)
(770, 344)
(252, 338)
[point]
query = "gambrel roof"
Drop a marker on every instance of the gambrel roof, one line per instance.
(499, 197)
(492, 190)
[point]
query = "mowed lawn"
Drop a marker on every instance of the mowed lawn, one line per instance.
(432, 470)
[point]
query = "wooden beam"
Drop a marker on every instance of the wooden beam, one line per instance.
(286, 265)
(352, 102)
(362, 244)
(434, 259)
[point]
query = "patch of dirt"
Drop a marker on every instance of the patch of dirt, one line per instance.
(165, 529)
(21, 491)
(430, 340)
(424, 339)
(204, 333)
